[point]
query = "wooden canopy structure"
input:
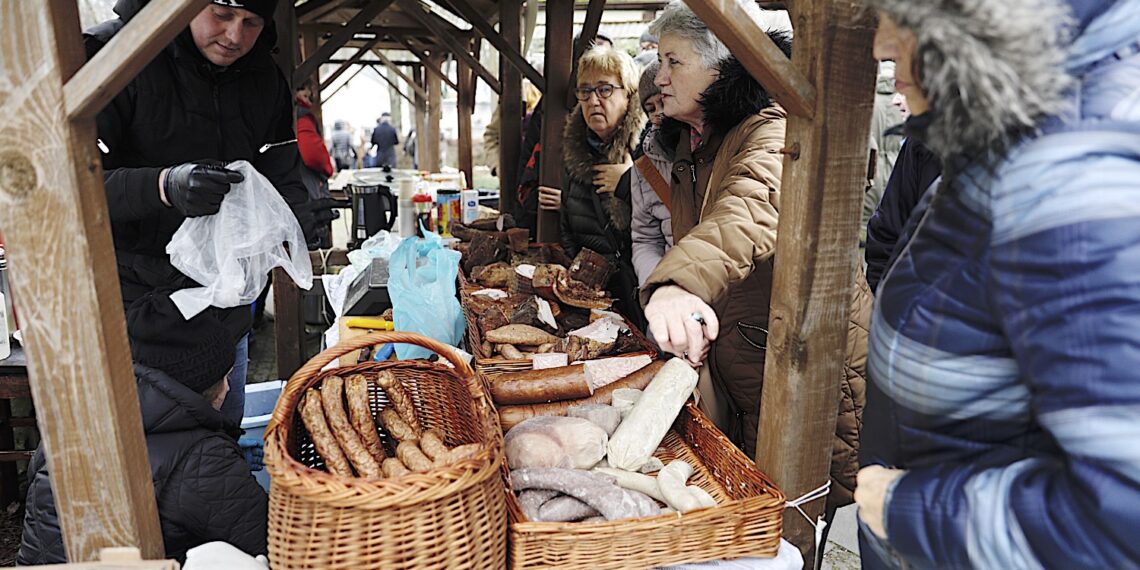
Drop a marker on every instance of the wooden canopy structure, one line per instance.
(54, 215)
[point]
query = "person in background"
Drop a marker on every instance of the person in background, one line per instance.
(886, 119)
(1002, 417)
(384, 140)
(651, 226)
(707, 300)
(648, 50)
(410, 148)
(202, 481)
(212, 96)
(343, 150)
(317, 163)
(531, 96)
(600, 133)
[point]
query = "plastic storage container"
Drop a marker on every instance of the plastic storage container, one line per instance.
(260, 400)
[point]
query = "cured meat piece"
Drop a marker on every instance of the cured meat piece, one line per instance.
(356, 391)
(544, 278)
(536, 386)
(313, 416)
(520, 334)
(534, 312)
(565, 509)
(485, 249)
(611, 501)
(332, 400)
(493, 275)
(509, 416)
(400, 398)
(522, 280)
(494, 224)
(553, 253)
(518, 239)
(577, 294)
(591, 269)
(601, 415)
(532, 500)
(642, 431)
(553, 441)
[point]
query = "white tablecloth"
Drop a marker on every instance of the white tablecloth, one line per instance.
(788, 557)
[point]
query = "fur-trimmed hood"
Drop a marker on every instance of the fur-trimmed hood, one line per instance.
(578, 152)
(991, 70)
(732, 97)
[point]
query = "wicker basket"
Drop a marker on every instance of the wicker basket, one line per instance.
(746, 522)
(493, 365)
(451, 517)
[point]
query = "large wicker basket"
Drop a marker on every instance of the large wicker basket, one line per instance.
(491, 365)
(746, 522)
(451, 517)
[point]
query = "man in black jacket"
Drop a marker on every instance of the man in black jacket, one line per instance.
(202, 482)
(214, 95)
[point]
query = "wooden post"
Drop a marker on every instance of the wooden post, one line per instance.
(585, 39)
(53, 210)
(821, 196)
(445, 35)
(288, 42)
(559, 39)
(429, 158)
(421, 116)
(288, 324)
(394, 95)
(464, 98)
(364, 17)
(506, 49)
(308, 48)
(510, 107)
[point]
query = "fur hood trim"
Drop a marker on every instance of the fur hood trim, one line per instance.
(580, 157)
(991, 70)
(733, 96)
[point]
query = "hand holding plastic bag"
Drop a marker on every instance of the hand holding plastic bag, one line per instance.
(232, 252)
(421, 284)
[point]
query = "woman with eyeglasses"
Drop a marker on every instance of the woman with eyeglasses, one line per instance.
(600, 133)
(708, 297)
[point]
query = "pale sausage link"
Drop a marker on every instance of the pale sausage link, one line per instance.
(356, 390)
(332, 396)
(313, 416)
(400, 398)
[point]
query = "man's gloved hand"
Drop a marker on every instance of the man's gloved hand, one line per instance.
(314, 214)
(253, 450)
(197, 189)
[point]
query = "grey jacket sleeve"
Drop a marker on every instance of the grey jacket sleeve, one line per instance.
(648, 241)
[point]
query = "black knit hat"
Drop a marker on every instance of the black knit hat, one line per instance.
(263, 8)
(197, 352)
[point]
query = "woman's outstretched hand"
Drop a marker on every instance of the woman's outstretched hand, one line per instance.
(682, 323)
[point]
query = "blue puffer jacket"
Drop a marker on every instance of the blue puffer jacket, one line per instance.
(1005, 342)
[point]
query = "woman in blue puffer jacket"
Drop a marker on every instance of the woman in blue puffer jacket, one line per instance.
(1002, 427)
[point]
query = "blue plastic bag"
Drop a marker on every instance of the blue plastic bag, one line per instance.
(421, 283)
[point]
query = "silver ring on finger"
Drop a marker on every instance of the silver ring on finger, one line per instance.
(697, 316)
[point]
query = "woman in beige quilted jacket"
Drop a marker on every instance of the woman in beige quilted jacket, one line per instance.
(707, 300)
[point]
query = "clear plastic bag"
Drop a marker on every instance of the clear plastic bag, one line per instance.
(421, 283)
(232, 252)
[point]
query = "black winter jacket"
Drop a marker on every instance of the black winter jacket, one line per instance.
(915, 171)
(202, 483)
(182, 108)
(600, 222)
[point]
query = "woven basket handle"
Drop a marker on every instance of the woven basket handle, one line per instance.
(291, 394)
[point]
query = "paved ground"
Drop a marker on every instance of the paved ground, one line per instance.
(842, 551)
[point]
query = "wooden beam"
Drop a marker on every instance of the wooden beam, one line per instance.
(344, 66)
(505, 47)
(151, 30)
(288, 324)
(559, 53)
(395, 69)
(319, 9)
(443, 32)
(751, 45)
(510, 107)
(58, 235)
(420, 112)
(374, 67)
(816, 255)
(308, 47)
(346, 81)
(364, 16)
(589, 28)
(464, 106)
(370, 28)
(424, 59)
(429, 158)
(288, 48)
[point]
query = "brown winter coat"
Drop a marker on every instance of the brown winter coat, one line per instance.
(725, 208)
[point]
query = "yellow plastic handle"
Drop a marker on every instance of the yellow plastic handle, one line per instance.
(370, 323)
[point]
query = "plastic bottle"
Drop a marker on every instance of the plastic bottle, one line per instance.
(406, 208)
(448, 210)
(423, 204)
(470, 206)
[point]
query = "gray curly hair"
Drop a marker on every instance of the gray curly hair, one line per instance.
(680, 20)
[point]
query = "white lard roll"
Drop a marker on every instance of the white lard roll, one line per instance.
(642, 431)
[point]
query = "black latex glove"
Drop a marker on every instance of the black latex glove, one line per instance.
(197, 189)
(314, 215)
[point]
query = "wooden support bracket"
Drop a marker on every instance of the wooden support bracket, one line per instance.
(424, 60)
(508, 50)
(151, 30)
(344, 66)
(445, 34)
(751, 45)
(375, 67)
(362, 18)
(396, 69)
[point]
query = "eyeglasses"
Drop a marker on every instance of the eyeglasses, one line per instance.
(604, 91)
